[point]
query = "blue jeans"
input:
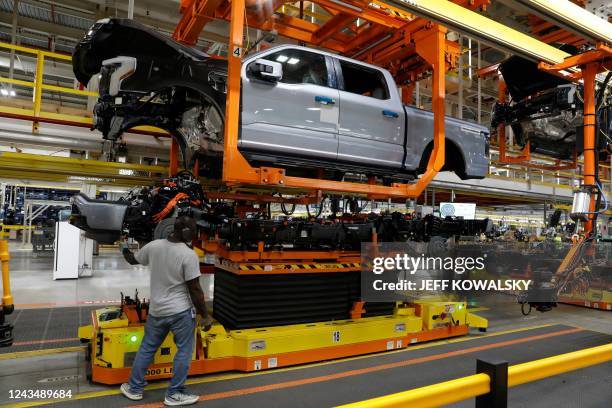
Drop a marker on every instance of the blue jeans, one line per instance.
(182, 326)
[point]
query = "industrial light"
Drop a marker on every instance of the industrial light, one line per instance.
(282, 58)
(293, 61)
(12, 92)
(133, 339)
(4, 92)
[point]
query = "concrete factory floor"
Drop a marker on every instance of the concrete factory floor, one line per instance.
(33, 286)
(47, 354)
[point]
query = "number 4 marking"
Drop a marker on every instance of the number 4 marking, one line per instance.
(237, 52)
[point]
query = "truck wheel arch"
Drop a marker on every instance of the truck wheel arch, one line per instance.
(454, 159)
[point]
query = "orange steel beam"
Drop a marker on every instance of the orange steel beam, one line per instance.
(236, 170)
(295, 28)
(362, 11)
(174, 158)
(375, 32)
(589, 72)
(601, 53)
(488, 70)
(331, 27)
(195, 14)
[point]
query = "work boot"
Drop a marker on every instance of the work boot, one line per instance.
(179, 398)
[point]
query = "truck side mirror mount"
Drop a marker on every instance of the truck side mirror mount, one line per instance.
(265, 70)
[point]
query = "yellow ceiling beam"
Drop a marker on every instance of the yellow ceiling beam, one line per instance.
(481, 28)
(66, 169)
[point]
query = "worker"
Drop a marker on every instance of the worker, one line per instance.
(175, 292)
(317, 75)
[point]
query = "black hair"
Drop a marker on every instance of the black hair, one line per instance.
(182, 222)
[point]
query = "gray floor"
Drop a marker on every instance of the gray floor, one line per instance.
(584, 388)
(33, 285)
(47, 328)
(34, 289)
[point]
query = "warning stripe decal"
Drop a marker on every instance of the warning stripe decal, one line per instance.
(251, 267)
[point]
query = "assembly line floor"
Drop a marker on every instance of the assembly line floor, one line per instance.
(47, 354)
(512, 337)
(348, 380)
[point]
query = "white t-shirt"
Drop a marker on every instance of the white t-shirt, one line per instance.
(172, 264)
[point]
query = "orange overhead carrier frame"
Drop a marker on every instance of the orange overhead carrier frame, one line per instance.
(406, 37)
(236, 170)
(424, 39)
(404, 43)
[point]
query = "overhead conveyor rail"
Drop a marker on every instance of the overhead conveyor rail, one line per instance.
(481, 384)
(572, 18)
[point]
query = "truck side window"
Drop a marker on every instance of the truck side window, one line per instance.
(301, 67)
(364, 81)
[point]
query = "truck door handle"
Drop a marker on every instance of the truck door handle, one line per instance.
(325, 100)
(390, 114)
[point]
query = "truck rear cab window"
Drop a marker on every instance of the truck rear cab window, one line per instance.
(301, 67)
(364, 81)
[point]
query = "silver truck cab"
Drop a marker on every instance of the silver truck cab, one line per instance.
(328, 108)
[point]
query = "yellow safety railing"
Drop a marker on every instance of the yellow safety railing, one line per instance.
(452, 391)
(7, 298)
(36, 113)
(38, 86)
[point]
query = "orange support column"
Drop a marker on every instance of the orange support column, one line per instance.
(234, 164)
(174, 158)
(408, 93)
(589, 72)
(432, 49)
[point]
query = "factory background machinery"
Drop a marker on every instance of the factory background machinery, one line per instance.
(282, 251)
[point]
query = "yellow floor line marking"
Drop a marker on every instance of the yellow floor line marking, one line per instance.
(477, 309)
(224, 377)
(36, 353)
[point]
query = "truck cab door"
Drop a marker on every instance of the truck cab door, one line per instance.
(294, 116)
(372, 118)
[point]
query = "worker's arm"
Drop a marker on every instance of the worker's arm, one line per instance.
(131, 258)
(197, 298)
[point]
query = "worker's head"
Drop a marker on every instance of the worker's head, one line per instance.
(184, 229)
